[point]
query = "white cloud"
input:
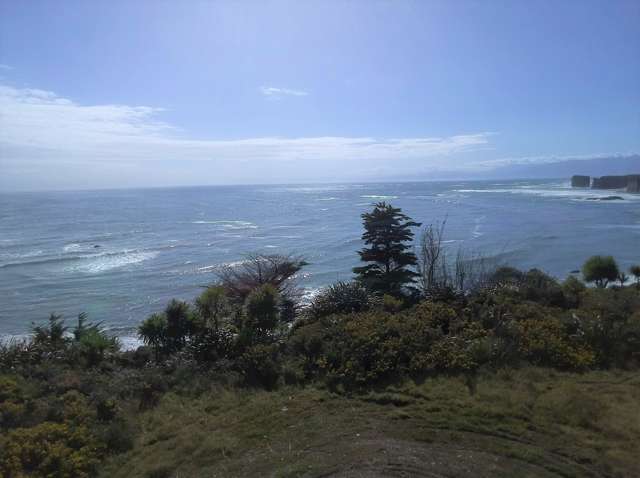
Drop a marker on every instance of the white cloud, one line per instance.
(550, 159)
(4, 66)
(277, 93)
(39, 126)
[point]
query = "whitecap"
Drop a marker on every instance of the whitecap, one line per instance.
(375, 196)
(97, 263)
(592, 195)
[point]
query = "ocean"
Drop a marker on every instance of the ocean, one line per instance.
(120, 255)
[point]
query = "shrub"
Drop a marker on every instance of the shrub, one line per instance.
(373, 347)
(462, 352)
(340, 298)
(542, 288)
(259, 366)
(53, 334)
(118, 436)
(50, 449)
(213, 307)
(507, 276)
(573, 290)
(545, 342)
(94, 343)
(261, 316)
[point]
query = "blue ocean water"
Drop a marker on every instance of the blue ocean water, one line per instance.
(121, 254)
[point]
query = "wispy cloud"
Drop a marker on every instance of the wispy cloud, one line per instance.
(549, 159)
(277, 93)
(4, 66)
(38, 125)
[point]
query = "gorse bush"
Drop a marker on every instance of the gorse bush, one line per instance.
(50, 449)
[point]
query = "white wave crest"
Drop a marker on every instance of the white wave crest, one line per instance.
(229, 224)
(98, 263)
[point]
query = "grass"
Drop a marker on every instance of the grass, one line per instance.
(530, 422)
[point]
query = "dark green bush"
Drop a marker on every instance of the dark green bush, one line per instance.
(118, 436)
(340, 298)
(260, 366)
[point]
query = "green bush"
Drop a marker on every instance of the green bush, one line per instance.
(48, 450)
(546, 342)
(118, 436)
(573, 290)
(340, 298)
(261, 317)
(260, 366)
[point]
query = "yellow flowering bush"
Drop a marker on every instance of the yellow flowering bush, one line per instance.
(49, 450)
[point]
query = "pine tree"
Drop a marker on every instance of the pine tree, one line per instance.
(387, 232)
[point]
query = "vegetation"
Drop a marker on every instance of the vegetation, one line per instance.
(601, 270)
(635, 272)
(389, 259)
(482, 370)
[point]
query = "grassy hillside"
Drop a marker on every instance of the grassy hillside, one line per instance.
(530, 422)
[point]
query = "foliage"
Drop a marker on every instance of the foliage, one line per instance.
(601, 270)
(261, 316)
(545, 342)
(92, 342)
(180, 324)
(153, 332)
(387, 230)
(240, 279)
(50, 449)
(634, 270)
(340, 298)
(573, 289)
(213, 307)
(259, 366)
(52, 334)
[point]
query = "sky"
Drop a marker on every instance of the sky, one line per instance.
(102, 94)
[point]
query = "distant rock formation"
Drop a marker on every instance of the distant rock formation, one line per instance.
(578, 181)
(610, 182)
(607, 198)
(630, 182)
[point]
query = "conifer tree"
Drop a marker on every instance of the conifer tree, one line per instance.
(387, 234)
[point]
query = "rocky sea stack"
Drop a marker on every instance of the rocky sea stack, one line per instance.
(630, 182)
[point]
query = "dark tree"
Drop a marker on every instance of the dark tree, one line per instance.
(635, 272)
(261, 317)
(601, 270)
(153, 331)
(280, 271)
(387, 236)
(180, 323)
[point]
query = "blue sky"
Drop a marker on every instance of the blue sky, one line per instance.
(151, 93)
